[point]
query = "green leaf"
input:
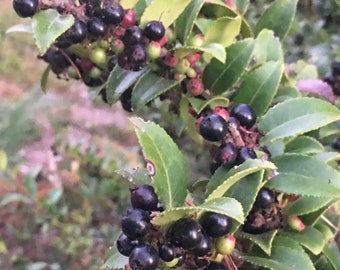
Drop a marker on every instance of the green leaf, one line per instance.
(128, 3)
(286, 255)
(310, 238)
(304, 145)
(165, 163)
(242, 5)
(278, 17)
(245, 190)
(223, 178)
(186, 20)
(259, 87)
(305, 175)
(20, 28)
(323, 263)
(223, 205)
(263, 240)
(48, 25)
(219, 77)
(161, 10)
(306, 205)
(44, 79)
(285, 93)
(149, 86)
(3, 160)
(267, 47)
(115, 260)
(223, 30)
(199, 105)
(189, 121)
(332, 253)
(328, 157)
(296, 116)
(212, 50)
(119, 81)
(311, 218)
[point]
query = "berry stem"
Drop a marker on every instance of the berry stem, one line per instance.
(189, 202)
(72, 64)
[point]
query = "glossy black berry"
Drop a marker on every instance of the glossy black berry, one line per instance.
(132, 36)
(144, 197)
(25, 8)
(154, 30)
(244, 114)
(125, 100)
(336, 68)
(77, 33)
(336, 143)
(126, 245)
(137, 56)
(96, 28)
(216, 266)
(143, 257)
(244, 154)
(185, 233)
(113, 14)
(167, 252)
(213, 127)
(215, 224)
(215, 163)
(227, 153)
(265, 198)
(204, 247)
(135, 223)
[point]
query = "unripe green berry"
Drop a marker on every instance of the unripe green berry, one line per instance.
(95, 73)
(117, 46)
(225, 244)
(173, 263)
(98, 56)
(191, 73)
(153, 50)
(182, 66)
(296, 223)
(196, 41)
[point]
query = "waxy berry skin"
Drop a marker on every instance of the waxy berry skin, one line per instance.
(167, 252)
(215, 224)
(113, 14)
(77, 33)
(144, 197)
(96, 28)
(213, 127)
(244, 154)
(132, 36)
(154, 30)
(244, 114)
(126, 245)
(265, 198)
(143, 257)
(25, 8)
(185, 233)
(135, 223)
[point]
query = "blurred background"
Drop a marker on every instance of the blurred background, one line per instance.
(60, 197)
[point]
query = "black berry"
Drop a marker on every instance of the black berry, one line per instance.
(336, 143)
(336, 68)
(154, 30)
(185, 233)
(167, 252)
(113, 14)
(137, 56)
(77, 33)
(244, 114)
(126, 245)
(216, 266)
(265, 198)
(204, 247)
(144, 197)
(213, 127)
(135, 223)
(143, 257)
(244, 154)
(25, 8)
(96, 27)
(125, 100)
(132, 36)
(215, 224)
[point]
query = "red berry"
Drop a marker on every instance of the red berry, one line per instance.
(195, 87)
(221, 111)
(129, 18)
(193, 57)
(171, 60)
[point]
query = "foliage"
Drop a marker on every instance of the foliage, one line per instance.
(243, 64)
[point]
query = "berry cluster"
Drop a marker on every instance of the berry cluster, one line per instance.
(333, 78)
(234, 128)
(186, 242)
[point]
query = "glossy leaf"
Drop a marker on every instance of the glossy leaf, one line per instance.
(20, 28)
(223, 31)
(296, 116)
(48, 25)
(304, 145)
(219, 77)
(161, 10)
(213, 50)
(128, 3)
(259, 87)
(199, 105)
(328, 156)
(225, 206)
(263, 240)
(285, 93)
(265, 263)
(186, 20)
(241, 5)
(165, 163)
(278, 17)
(119, 81)
(332, 253)
(149, 86)
(223, 178)
(305, 175)
(310, 238)
(115, 260)
(267, 47)
(306, 205)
